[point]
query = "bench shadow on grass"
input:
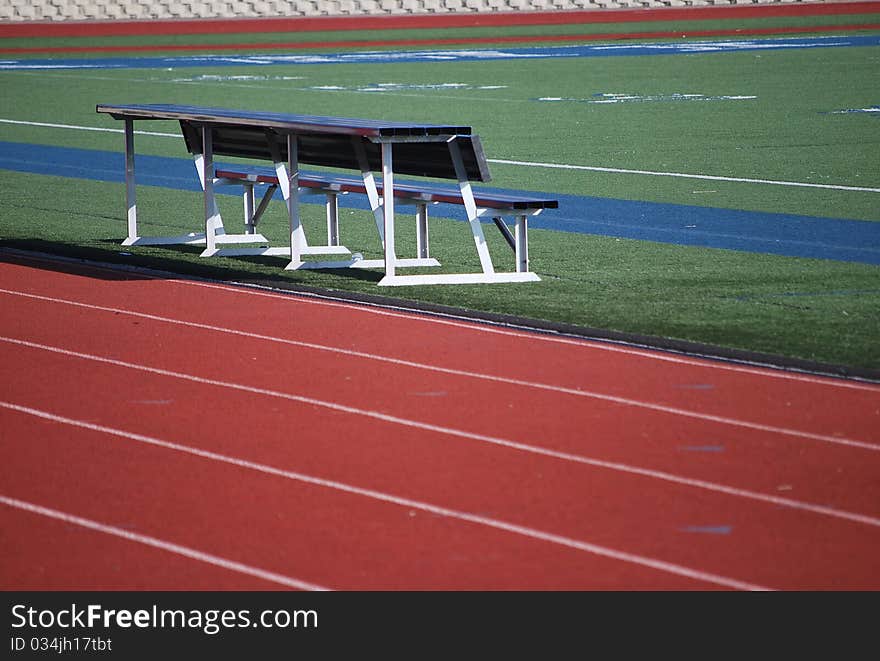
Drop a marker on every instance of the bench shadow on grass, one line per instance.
(172, 261)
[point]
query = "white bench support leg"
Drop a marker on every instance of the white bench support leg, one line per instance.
(388, 207)
(248, 197)
(422, 231)
(332, 220)
(522, 244)
(289, 180)
(370, 185)
(201, 168)
(213, 222)
(130, 193)
(470, 205)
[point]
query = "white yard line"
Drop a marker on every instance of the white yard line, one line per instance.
(74, 127)
(557, 166)
(652, 173)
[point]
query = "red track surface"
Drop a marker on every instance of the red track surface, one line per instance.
(168, 434)
(430, 21)
(362, 43)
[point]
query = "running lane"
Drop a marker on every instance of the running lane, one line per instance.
(573, 465)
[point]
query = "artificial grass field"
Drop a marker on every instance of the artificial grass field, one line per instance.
(817, 310)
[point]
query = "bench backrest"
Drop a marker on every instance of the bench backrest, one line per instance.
(419, 149)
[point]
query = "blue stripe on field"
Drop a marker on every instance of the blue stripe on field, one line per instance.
(749, 231)
(684, 47)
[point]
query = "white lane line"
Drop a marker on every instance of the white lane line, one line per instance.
(532, 164)
(406, 502)
(652, 173)
(461, 322)
(536, 336)
(837, 440)
(164, 545)
(482, 438)
(525, 333)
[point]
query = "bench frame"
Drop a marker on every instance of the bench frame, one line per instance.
(420, 197)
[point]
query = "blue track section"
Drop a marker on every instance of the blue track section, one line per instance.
(778, 234)
(388, 57)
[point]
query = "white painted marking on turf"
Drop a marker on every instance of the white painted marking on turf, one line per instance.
(465, 373)
(216, 78)
(408, 503)
(653, 173)
(614, 97)
(731, 45)
(155, 542)
(848, 111)
(85, 128)
(468, 324)
(561, 166)
(383, 88)
(27, 67)
(483, 438)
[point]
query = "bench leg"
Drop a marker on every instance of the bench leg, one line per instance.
(505, 232)
(264, 203)
(248, 198)
(289, 179)
(422, 231)
(522, 244)
(130, 194)
(253, 212)
(332, 220)
(205, 163)
(205, 166)
(482, 247)
(467, 196)
(388, 208)
(370, 185)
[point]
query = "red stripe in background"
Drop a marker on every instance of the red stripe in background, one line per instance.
(416, 21)
(301, 45)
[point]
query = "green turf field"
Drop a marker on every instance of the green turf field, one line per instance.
(817, 310)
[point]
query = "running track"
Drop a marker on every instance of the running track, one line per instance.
(173, 434)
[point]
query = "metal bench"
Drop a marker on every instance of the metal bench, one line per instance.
(364, 146)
